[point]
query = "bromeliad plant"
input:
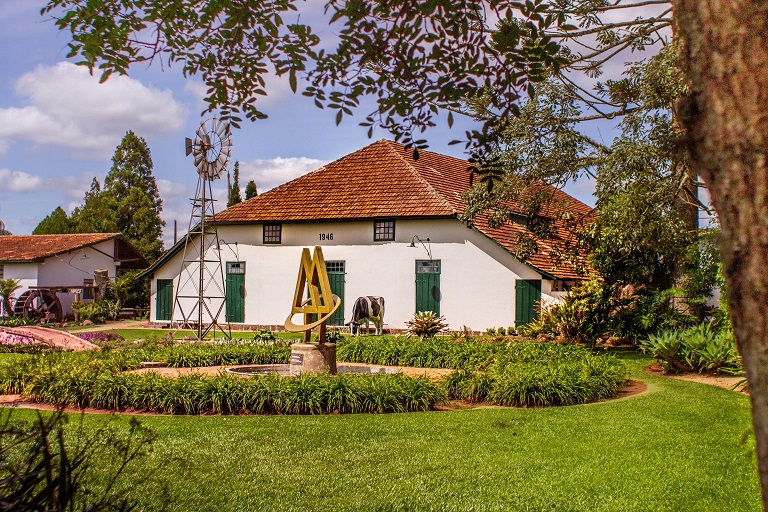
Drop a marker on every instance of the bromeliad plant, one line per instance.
(426, 324)
(700, 349)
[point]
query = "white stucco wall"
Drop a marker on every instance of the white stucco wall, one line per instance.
(477, 276)
(26, 273)
(67, 269)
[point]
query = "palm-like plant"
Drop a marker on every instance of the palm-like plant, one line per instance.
(7, 287)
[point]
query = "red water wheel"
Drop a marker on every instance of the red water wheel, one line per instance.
(43, 305)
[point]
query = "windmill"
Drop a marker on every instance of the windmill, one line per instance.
(200, 290)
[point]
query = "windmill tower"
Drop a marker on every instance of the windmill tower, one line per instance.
(200, 289)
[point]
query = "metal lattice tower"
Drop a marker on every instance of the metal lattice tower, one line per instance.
(200, 288)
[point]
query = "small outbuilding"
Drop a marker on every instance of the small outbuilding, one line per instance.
(63, 265)
(390, 226)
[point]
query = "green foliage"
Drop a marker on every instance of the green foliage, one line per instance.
(99, 380)
(234, 196)
(45, 465)
(699, 348)
(250, 190)
(96, 214)
(520, 373)
(581, 317)
(97, 312)
(56, 222)
(425, 324)
(593, 310)
(130, 189)
(7, 287)
(17, 321)
(264, 336)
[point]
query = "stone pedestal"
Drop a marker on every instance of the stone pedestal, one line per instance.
(313, 358)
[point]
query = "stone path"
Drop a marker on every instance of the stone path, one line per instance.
(59, 339)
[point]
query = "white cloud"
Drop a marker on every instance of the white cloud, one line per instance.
(19, 181)
(273, 172)
(67, 107)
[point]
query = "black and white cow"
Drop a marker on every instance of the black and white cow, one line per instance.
(367, 309)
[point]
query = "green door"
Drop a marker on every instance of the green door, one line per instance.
(336, 278)
(428, 286)
(527, 295)
(235, 292)
(164, 299)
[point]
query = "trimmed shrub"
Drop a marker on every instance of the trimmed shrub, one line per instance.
(519, 373)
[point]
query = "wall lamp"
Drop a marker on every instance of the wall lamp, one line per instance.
(427, 246)
(235, 251)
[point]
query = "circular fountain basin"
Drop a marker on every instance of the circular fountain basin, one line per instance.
(285, 369)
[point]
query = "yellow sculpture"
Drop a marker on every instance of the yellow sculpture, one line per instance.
(321, 301)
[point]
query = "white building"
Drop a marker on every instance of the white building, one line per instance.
(389, 226)
(65, 263)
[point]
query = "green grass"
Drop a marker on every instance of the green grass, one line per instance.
(675, 447)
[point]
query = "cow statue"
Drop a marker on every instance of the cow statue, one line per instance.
(367, 309)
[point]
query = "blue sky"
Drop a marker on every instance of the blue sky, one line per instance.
(59, 128)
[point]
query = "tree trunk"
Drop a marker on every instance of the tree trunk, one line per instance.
(725, 117)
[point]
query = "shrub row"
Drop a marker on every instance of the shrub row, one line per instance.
(537, 384)
(225, 394)
(519, 373)
(515, 373)
(98, 379)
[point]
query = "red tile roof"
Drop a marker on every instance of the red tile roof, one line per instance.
(38, 247)
(383, 180)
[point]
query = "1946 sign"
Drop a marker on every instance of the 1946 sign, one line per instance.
(326, 236)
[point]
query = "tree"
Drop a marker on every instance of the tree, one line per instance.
(418, 59)
(725, 129)
(7, 287)
(250, 190)
(96, 214)
(131, 192)
(234, 190)
(55, 223)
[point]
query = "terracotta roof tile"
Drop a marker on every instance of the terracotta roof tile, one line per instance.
(383, 180)
(38, 247)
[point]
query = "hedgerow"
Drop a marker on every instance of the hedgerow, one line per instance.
(514, 373)
(520, 373)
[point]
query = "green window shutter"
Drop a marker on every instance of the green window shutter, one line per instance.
(336, 277)
(235, 292)
(164, 300)
(527, 295)
(428, 295)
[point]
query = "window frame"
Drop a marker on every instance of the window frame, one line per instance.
(385, 229)
(264, 228)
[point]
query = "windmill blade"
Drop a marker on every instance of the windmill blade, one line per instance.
(215, 124)
(222, 129)
(222, 160)
(226, 150)
(199, 157)
(226, 143)
(200, 132)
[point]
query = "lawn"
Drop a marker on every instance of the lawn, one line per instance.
(675, 447)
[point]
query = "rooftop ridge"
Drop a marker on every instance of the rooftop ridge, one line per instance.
(419, 176)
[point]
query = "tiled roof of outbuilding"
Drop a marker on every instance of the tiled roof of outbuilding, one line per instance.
(31, 248)
(383, 180)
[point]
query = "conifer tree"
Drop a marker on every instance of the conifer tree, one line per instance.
(96, 215)
(55, 223)
(234, 191)
(250, 190)
(131, 192)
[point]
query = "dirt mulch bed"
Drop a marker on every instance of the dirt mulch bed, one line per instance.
(721, 381)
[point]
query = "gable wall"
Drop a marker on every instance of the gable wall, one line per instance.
(477, 276)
